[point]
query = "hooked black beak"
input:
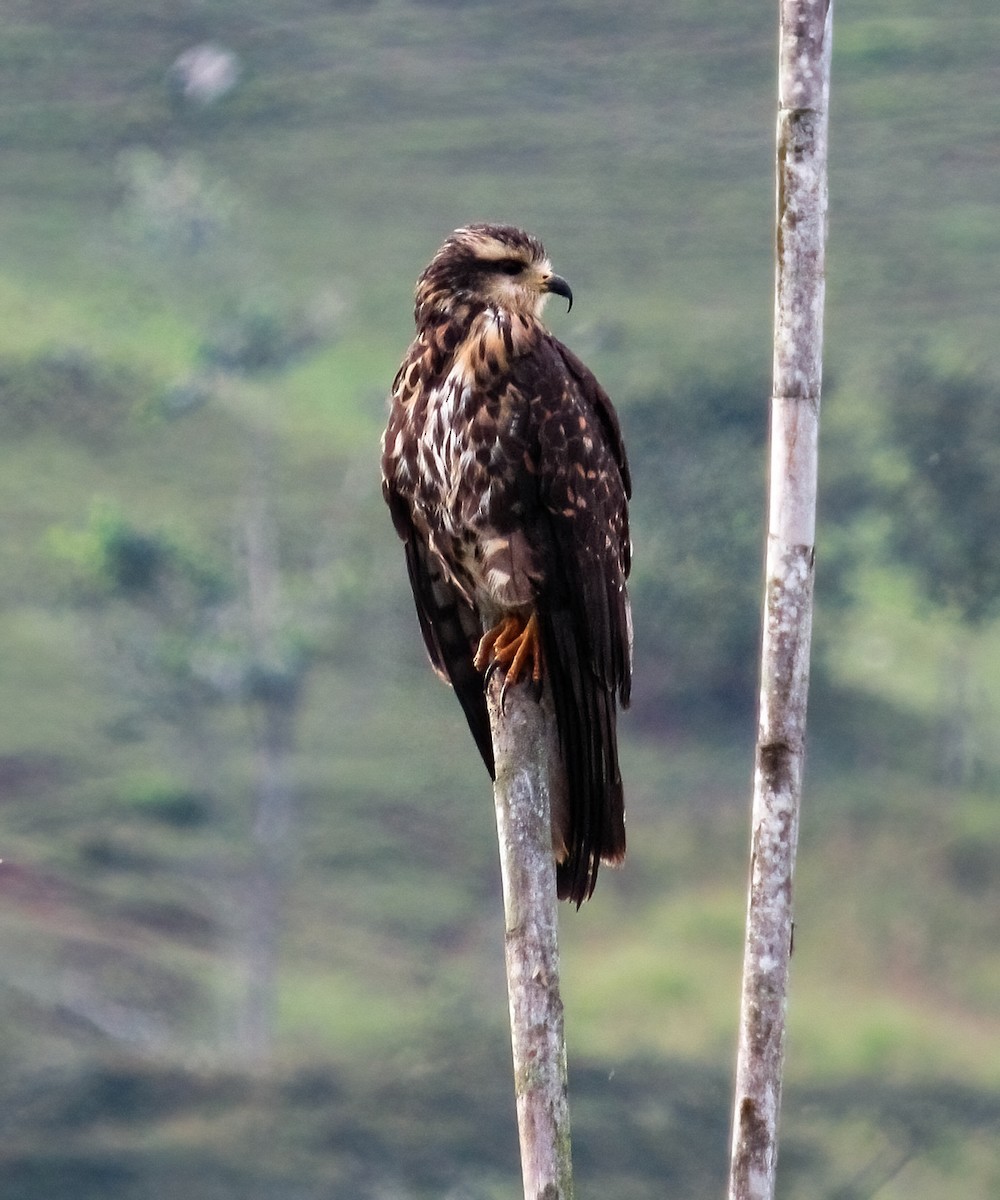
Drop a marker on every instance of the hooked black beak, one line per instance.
(559, 287)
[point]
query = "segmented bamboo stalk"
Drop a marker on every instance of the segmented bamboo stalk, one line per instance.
(803, 94)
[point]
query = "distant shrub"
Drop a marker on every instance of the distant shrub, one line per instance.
(113, 556)
(699, 460)
(166, 801)
(259, 336)
(69, 392)
(131, 1093)
(973, 864)
(178, 921)
(697, 455)
(184, 396)
(104, 852)
(946, 515)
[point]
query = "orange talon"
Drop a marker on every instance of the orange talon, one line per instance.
(515, 645)
(528, 647)
(493, 642)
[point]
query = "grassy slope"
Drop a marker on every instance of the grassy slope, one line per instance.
(639, 145)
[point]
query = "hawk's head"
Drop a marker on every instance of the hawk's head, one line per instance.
(494, 265)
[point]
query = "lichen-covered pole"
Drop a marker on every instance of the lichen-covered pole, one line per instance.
(522, 747)
(803, 95)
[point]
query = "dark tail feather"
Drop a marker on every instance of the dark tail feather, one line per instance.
(586, 720)
(468, 685)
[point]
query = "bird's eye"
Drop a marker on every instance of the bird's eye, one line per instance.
(508, 266)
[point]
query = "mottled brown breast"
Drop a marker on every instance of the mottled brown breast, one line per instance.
(458, 446)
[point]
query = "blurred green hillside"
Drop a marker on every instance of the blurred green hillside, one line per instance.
(251, 935)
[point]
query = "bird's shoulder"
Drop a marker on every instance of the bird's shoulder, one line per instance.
(427, 360)
(577, 418)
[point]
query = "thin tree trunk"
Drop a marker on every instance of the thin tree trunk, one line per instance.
(272, 700)
(803, 93)
(522, 747)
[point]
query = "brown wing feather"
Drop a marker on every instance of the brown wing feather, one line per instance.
(449, 625)
(600, 401)
(581, 532)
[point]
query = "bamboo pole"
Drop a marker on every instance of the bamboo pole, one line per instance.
(803, 94)
(522, 749)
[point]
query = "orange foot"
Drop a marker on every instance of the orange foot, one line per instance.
(514, 645)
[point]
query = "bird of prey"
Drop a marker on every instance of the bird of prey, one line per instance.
(504, 469)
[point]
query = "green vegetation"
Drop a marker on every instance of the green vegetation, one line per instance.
(251, 940)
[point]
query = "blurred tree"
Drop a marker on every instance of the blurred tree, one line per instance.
(247, 647)
(190, 635)
(275, 661)
(69, 391)
(698, 463)
(113, 557)
(947, 526)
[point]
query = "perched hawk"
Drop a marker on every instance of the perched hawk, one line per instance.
(504, 469)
